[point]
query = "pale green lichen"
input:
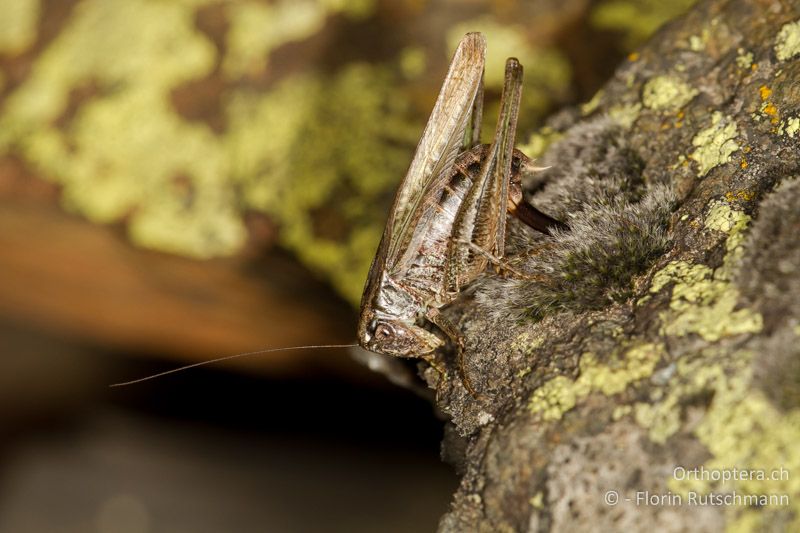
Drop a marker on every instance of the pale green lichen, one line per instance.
(712, 316)
(741, 429)
(123, 152)
(527, 343)
(561, 394)
(666, 93)
(333, 145)
(413, 60)
(621, 411)
(18, 25)
(787, 43)
(721, 217)
(697, 43)
(539, 141)
(256, 29)
(638, 19)
(589, 107)
(537, 500)
(547, 70)
(744, 59)
(704, 301)
(715, 144)
(790, 127)
(625, 114)
(124, 148)
(357, 9)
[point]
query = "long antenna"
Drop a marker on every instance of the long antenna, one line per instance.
(235, 356)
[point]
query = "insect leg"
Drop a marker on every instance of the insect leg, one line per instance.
(481, 218)
(440, 370)
(498, 262)
(452, 332)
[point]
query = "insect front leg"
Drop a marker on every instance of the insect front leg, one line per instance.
(452, 332)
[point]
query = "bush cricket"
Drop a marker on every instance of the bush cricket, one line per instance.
(448, 219)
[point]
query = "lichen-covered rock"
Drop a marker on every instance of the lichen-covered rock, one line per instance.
(178, 120)
(663, 337)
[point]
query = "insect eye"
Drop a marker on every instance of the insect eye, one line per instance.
(384, 331)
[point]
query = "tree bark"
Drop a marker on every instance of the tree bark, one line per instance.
(660, 335)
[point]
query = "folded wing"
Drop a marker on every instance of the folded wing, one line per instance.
(452, 127)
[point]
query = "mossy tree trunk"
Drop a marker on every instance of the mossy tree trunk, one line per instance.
(663, 331)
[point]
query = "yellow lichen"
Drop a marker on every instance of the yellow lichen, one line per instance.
(770, 110)
(715, 144)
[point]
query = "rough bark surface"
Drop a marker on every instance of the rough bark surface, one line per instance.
(666, 333)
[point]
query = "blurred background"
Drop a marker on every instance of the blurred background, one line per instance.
(185, 179)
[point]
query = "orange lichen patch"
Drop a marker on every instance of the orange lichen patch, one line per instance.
(770, 110)
(633, 56)
(754, 67)
(765, 92)
(743, 164)
(742, 195)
